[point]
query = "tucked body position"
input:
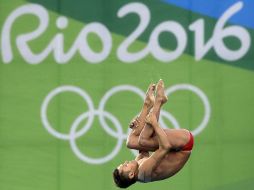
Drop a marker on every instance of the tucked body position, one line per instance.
(162, 152)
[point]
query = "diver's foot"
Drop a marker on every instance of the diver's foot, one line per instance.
(150, 99)
(160, 92)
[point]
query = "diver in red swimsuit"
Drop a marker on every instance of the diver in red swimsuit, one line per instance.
(171, 148)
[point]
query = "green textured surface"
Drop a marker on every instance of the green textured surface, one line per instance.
(30, 158)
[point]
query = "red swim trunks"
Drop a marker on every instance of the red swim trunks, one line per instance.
(189, 145)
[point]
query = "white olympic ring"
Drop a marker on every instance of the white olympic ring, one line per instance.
(53, 93)
(102, 114)
(202, 96)
(96, 160)
(111, 93)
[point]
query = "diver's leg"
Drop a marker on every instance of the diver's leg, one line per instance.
(147, 137)
(138, 123)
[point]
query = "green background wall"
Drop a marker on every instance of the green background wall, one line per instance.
(32, 158)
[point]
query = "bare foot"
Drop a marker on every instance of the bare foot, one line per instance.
(149, 100)
(161, 96)
(151, 118)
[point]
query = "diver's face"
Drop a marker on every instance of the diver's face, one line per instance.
(128, 166)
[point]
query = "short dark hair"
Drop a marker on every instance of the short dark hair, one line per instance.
(121, 180)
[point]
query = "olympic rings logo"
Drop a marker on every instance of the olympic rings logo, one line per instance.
(102, 115)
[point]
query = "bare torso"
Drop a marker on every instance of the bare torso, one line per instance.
(169, 166)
